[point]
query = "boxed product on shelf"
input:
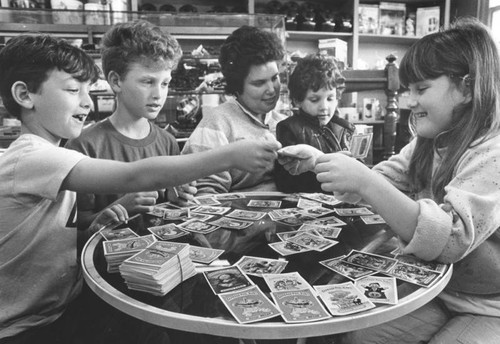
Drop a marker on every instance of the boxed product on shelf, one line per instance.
(427, 20)
(334, 47)
(392, 18)
(368, 18)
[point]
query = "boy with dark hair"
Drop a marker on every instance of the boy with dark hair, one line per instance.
(137, 60)
(45, 82)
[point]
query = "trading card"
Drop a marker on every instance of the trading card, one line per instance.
(379, 289)
(351, 271)
(246, 214)
(295, 220)
(305, 203)
(343, 298)
(360, 145)
(286, 281)
(157, 254)
(321, 197)
(157, 211)
(283, 236)
(128, 245)
(196, 226)
(204, 255)
(227, 279)
(313, 242)
(316, 211)
(412, 260)
(211, 210)
(261, 203)
(229, 196)
(286, 248)
(414, 274)
(200, 217)
(119, 233)
(330, 221)
(278, 214)
(249, 305)
(256, 266)
(176, 214)
(326, 232)
(299, 306)
(283, 152)
(167, 231)
(370, 260)
(226, 222)
(372, 219)
(206, 200)
(353, 211)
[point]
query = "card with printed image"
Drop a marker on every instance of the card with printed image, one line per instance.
(211, 210)
(246, 214)
(330, 221)
(167, 231)
(226, 222)
(372, 219)
(200, 217)
(295, 220)
(412, 260)
(176, 214)
(229, 196)
(360, 145)
(370, 260)
(127, 245)
(305, 203)
(343, 298)
(346, 269)
(279, 214)
(261, 203)
(249, 305)
(286, 281)
(321, 197)
(353, 211)
(256, 266)
(118, 233)
(206, 200)
(379, 289)
(204, 255)
(316, 211)
(227, 279)
(299, 306)
(313, 242)
(196, 226)
(414, 274)
(283, 236)
(326, 232)
(286, 248)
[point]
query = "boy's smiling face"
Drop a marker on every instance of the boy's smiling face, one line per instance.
(320, 104)
(143, 90)
(60, 107)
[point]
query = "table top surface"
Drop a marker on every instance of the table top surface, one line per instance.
(192, 306)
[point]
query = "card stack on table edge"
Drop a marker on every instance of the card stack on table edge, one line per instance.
(159, 268)
(116, 251)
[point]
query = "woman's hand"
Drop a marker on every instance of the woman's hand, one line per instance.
(299, 158)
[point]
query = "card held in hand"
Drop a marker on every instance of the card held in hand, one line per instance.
(360, 145)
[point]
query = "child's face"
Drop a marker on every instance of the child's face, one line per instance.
(432, 103)
(143, 91)
(60, 107)
(320, 104)
(261, 88)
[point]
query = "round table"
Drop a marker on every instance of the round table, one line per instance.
(193, 307)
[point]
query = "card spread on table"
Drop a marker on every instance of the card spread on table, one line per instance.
(257, 266)
(167, 231)
(204, 255)
(347, 269)
(246, 214)
(211, 210)
(379, 289)
(295, 220)
(283, 236)
(311, 241)
(412, 260)
(229, 223)
(286, 281)
(176, 214)
(278, 214)
(343, 298)
(196, 226)
(372, 219)
(299, 306)
(326, 232)
(330, 221)
(305, 203)
(316, 211)
(261, 203)
(286, 248)
(229, 196)
(322, 198)
(227, 279)
(353, 211)
(119, 233)
(370, 261)
(414, 274)
(127, 245)
(249, 305)
(206, 200)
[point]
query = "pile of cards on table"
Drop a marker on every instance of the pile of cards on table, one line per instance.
(116, 251)
(158, 268)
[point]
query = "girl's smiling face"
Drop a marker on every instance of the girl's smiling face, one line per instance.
(321, 104)
(432, 103)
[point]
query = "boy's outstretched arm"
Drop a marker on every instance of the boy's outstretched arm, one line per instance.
(156, 173)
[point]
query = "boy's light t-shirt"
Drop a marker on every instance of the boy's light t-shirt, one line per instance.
(39, 268)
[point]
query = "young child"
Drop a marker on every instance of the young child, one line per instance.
(45, 82)
(315, 85)
(137, 60)
(440, 194)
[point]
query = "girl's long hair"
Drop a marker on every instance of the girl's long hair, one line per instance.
(467, 53)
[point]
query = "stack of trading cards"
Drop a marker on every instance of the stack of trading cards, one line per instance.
(158, 268)
(116, 251)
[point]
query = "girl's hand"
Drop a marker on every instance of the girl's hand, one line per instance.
(254, 155)
(182, 194)
(340, 173)
(138, 202)
(112, 214)
(299, 158)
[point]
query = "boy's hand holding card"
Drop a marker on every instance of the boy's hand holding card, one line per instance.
(299, 158)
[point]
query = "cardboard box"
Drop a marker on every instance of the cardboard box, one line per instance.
(368, 18)
(334, 47)
(427, 20)
(392, 18)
